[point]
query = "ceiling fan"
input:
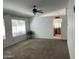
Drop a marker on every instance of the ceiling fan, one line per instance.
(35, 10)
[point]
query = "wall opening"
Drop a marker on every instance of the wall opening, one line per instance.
(57, 28)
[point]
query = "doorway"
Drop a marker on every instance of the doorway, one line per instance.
(57, 28)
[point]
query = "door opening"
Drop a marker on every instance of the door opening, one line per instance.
(57, 28)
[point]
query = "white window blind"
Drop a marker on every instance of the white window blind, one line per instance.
(18, 27)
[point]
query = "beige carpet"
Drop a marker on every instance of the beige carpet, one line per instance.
(38, 49)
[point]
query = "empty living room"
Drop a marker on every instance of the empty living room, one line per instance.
(38, 29)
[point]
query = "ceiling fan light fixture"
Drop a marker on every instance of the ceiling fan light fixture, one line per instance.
(35, 10)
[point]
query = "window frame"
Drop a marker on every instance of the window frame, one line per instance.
(18, 33)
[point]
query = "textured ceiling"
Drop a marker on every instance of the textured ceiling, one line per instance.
(24, 7)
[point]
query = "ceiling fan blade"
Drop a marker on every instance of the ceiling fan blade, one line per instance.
(40, 11)
(35, 10)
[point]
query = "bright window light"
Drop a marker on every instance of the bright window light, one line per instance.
(57, 23)
(4, 37)
(18, 27)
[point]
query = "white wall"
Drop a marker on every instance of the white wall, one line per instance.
(64, 28)
(8, 29)
(71, 29)
(43, 27)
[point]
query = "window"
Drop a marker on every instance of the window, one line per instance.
(57, 23)
(4, 37)
(18, 27)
